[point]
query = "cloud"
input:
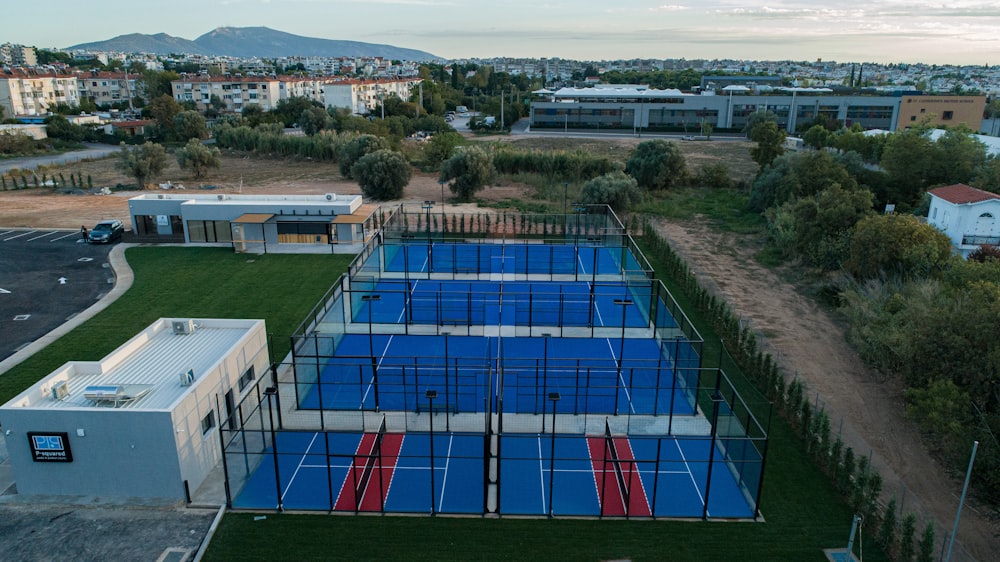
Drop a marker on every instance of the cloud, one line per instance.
(668, 8)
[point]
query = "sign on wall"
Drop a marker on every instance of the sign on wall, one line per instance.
(49, 446)
(162, 220)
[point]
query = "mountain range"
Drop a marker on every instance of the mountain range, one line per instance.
(249, 42)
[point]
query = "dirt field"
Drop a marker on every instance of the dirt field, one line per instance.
(810, 343)
(807, 339)
(37, 208)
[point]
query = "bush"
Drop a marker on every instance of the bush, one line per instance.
(358, 147)
(896, 245)
(382, 174)
(657, 164)
(616, 189)
(715, 175)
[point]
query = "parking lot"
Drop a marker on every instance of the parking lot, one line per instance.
(46, 278)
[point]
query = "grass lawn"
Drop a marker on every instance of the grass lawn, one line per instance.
(193, 282)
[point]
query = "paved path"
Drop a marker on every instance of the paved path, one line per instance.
(92, 151)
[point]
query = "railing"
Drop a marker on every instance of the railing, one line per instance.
(974, 240)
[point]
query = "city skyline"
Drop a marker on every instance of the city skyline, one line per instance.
(884, 31)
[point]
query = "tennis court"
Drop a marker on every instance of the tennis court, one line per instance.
(562, 380)
(605, 376)
(509, 258)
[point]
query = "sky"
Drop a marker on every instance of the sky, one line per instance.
(939, 32)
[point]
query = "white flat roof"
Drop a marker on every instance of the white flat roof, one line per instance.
(239, 198)
(149, 364)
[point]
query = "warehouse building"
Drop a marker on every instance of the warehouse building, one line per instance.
(143, 421)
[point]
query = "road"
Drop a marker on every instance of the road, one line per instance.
(92, 151)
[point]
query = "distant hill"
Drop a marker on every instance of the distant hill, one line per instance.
(249, 42)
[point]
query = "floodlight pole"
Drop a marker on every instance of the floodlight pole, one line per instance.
(554, 397)
(961, 502)
(431, 395)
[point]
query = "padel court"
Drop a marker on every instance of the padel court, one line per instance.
(504, 377)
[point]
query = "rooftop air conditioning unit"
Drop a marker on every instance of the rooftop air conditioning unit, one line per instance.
(182, 327)
(187, 377)
(60, 391)
(330, 196)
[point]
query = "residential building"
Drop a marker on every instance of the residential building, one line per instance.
(35, 91)
(967, 215)
(237, 91)
(363, 96)
(105, 88)
(17, 55)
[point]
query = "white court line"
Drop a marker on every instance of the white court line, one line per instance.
(541, 474)
(444, 482)
(628, 395)
(19, 235)
(372, 381)
(40, 236)
(65, 236)
(6, 232)
(693, 481)
(299, 466)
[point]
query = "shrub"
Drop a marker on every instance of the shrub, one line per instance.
(358, 147)
(656, 164)
(471, 169)
(616, 189)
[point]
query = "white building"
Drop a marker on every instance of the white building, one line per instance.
(328, 223)
(143, 422)
(363, 96)
(967, 215)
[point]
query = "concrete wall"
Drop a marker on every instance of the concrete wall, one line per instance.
(122, 454)
(199, 452)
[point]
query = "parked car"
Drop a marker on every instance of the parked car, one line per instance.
(106, 232)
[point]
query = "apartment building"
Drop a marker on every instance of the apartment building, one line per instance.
(109, 87)
(17, 55)
(363, 96)
(34, 91)
(238, 91)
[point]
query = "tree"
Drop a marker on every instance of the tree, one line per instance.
(757, 118)
(358, 147)
(887, 530)
(896, 245)
(656, 164)
(770, 143)
(58, 127)
(382, 174)
(254, 114)
(817, 226)
(189, 125)
(706, 129)
(817, 137)
(906, 538)
(440, 147)
(289, 110)
(925, 549)
(198, 157)
(314, 120)
(616, 189)
(163, 109)
(714, 174)
(471, 168)
(143, 162)
(157, 83)
(798, 174)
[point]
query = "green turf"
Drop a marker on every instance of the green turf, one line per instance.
(802, 512)
(193, 282)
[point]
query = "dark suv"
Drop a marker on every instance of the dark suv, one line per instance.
(106, 232)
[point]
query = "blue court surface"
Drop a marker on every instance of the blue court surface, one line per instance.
(551, 259)
(670, 476)
(473, 303)
(594, 376)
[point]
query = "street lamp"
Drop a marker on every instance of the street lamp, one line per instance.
(554, 397)
(431, 395)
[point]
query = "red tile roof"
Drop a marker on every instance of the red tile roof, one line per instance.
(961, 194)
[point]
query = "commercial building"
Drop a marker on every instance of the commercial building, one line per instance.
(639, 108)
(967, 215)
(941, 110)
(328, 223)
(143, 421)
(363, 96)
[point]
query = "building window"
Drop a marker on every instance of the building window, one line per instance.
(913, 118)
(934, 214)
(209, 231)
(246, 378)
(986, 216)
(208, 423)
(947, 115)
